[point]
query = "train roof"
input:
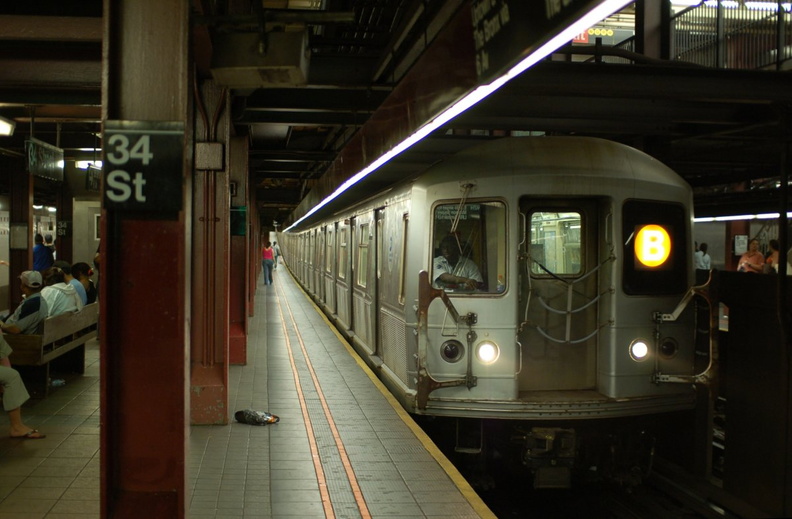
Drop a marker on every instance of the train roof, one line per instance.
(571, 156)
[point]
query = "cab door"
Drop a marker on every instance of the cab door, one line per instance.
(559, 296)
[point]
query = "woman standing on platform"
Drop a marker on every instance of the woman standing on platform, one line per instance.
(753, 260)
(267, 262)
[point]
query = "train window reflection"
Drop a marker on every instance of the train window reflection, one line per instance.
(469, 246)
(555, 243)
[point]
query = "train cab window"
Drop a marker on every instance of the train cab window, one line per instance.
(469, 247)
(555, 243)
(655, 248)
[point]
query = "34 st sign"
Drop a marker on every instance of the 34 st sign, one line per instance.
(143, 167)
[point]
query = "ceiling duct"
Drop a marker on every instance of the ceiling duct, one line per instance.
(246, 60)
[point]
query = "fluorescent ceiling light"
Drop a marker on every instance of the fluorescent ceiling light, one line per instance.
(762, 216)
(7, 126)
(599, 13)
(84, 164)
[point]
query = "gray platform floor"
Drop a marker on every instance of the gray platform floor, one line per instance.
(247, 471)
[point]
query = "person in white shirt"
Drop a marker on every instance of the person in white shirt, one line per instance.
(703, 260)
(452, 270)
(60, 296)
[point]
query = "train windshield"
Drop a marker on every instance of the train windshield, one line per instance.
(555, 243)
(469, 247)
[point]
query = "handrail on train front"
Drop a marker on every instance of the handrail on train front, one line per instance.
(708, 377)
(426, 383)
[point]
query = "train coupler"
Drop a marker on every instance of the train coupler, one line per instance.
(549, 453)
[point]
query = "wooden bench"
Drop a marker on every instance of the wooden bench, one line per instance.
(62, 343)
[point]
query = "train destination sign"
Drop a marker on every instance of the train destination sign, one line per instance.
(505, 31)
(143, 165)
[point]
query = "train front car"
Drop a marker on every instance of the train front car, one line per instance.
(547, 268)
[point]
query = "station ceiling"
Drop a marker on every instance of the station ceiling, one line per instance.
(724, 131)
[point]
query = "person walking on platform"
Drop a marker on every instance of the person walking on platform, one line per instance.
(267, 262)
(276, 248)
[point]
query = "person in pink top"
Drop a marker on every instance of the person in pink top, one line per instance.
(267, 262)
(753, 260)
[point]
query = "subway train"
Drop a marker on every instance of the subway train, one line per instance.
(534, 291)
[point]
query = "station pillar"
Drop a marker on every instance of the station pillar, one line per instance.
(209, 315)
(145, 230)
(239, 288)
(20, 227)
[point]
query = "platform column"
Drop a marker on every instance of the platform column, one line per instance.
(238, 288)
(21, 225)
(144, 245)
(209, 321)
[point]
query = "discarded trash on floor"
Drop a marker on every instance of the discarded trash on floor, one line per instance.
(251, 417)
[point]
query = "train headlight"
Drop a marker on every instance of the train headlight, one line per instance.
(639, 349)
(487, 352)
(452, 350)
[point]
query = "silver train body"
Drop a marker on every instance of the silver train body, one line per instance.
(564, 324)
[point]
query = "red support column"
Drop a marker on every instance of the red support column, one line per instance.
(210, 260)
(144, 289)
(238, 290)
(21, 228)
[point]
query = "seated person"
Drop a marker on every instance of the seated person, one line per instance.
(61, 297)
(452, 270)
(83, 272)
(14, 395)
(29, 316)
(67, 274)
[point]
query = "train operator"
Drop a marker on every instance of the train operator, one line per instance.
(452, 270)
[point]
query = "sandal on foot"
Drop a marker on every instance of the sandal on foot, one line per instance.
(31, 435)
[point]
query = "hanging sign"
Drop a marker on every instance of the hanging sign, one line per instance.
(143, 166)
(506, 31)
(44, 160)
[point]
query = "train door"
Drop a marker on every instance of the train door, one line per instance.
(558, 303)
(321, 236)
(391, 320)
(364, 284)
(329, 269)
(344, 274)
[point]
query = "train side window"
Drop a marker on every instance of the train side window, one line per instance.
(329, 251)
(342, 252)
(555, 243)
(655, 248)
(469, 243)
(363, 255)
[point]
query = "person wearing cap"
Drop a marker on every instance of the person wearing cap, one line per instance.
(29, 316)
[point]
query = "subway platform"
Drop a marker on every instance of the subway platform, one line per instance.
(343, 447)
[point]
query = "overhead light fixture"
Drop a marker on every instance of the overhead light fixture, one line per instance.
(7, 126)
(597, 14)
(730, 218)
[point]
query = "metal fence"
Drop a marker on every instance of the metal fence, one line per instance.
(734, 34)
